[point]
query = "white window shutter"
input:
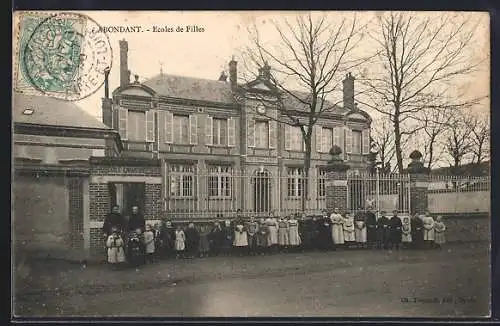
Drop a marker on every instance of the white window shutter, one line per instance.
(319, 139)
(288, 138)
(337, 137)
(273, 139)
(150, 126)
(193, 129)
(169, 127)
(348, 140)
(123, 122)
(302, 140)
(366, 141)
(251, 132)
(209, 133)
(161, 122)
(231, 132)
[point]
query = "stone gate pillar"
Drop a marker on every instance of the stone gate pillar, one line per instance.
(419, 184)
(336, 184)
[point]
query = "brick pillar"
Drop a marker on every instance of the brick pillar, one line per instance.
(336, 186)
(418, 192)
(336, 191)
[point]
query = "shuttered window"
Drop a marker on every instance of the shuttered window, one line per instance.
(366, 141)
(181, 129)
(219, 131)
(136, 126)
(262, 134)
(356, 142)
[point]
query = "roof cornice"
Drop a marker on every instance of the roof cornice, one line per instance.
(66, 131)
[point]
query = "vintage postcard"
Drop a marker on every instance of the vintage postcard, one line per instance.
(251, 164)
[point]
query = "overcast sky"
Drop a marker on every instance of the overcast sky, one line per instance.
(206, 54)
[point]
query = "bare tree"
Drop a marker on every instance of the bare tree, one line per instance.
(421, 60)
(435, 122)
(459, 143)
(311, 54)
(383, 138)
(480, 138)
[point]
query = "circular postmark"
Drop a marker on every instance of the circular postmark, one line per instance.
(66, 56)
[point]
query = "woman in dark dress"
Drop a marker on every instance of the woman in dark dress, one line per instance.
(167, 235)
(316, 224)
(227, 241)
(396, 231)
(325, 233)
(216, 238)
(371, 227)
(383, 231)
(417, 232)
(192, 240)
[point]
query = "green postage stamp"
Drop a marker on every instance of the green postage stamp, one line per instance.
(59, 55)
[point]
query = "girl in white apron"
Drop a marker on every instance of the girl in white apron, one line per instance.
(180, 239)
(406, 234)
(116, 251)
(348, 227)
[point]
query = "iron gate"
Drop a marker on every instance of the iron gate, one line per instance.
(380, 191)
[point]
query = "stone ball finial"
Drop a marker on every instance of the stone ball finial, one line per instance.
(416, 155)
(335, 150)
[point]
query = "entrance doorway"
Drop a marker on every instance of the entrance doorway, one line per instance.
(262, 192)
(127, 195)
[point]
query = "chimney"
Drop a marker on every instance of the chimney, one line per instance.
(124, 72)
(349, 92)
(233, 74)
(223, 77)
(265, 72)
(106, 82)
(107, 103)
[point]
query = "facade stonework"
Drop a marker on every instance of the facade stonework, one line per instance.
(204, 130)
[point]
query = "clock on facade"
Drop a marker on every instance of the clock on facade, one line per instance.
(261, 109)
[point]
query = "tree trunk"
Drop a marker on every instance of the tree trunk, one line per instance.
(397, 143)
(305, 175)
(431, 152)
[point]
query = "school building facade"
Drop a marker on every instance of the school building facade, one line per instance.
(220, 149)
(177, 147)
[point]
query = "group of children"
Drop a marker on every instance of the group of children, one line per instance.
(275, 234)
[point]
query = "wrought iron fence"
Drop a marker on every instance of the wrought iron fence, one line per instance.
(220, 193)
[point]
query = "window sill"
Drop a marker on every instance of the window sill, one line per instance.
(182, 198)
(220, 146)
(296, 198)
(219, 198)
(184, 145)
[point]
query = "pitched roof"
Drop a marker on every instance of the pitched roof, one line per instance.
(292, 102)
(51, 112)
(191, 88)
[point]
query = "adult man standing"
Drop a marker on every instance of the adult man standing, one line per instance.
(136, 220)
(113, 219)
(371, 226)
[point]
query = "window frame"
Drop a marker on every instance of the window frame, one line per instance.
(180, 175)
(216, 131)
(221, 175)
(257, 134)
(177, 133)
(295, 179)
(354, 149)
(136, 125)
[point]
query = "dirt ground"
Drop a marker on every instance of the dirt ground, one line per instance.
(453, 281)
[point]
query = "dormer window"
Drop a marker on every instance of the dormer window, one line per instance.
(28, 111)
